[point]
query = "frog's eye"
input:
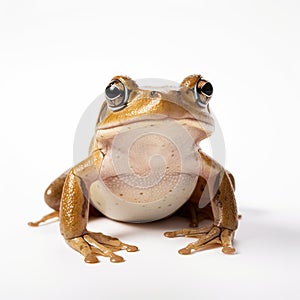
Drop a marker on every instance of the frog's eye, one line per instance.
(203, 91)
(116, 95)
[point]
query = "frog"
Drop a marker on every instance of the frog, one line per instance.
(145, 164)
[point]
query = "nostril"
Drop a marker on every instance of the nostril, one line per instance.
(154, 94)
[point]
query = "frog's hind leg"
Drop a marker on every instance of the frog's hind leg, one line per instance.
(52, 197)
(52, 215)
(191, 210)
(194, 214)
(53, 192)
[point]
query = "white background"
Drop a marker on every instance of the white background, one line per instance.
(57, 56)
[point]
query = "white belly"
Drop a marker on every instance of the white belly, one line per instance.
(139, 206)
(147, 173)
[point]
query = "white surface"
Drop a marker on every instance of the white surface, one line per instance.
(57, 56)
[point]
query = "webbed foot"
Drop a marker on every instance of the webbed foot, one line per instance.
(208, 237)
(92, 244)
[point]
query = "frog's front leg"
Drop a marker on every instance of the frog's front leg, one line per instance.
(73, 214)
(221, 232)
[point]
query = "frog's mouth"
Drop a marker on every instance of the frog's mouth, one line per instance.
(160, 124)
(158, 118)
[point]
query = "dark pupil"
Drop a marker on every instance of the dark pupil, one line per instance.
(112, 91)
(207, 89)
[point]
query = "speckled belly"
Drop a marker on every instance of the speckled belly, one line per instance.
(116, 200)
(147, 173)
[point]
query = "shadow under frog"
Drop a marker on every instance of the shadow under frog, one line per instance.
(145, 164)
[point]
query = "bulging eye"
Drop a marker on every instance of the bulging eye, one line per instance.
(203, 91)
(116, 95)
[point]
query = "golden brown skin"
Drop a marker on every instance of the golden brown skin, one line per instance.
(224, 213)
(74, 214)
(70, 193)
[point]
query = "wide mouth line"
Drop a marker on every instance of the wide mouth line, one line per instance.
(136, 120)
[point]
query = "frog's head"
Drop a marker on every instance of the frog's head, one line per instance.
(129, 106)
